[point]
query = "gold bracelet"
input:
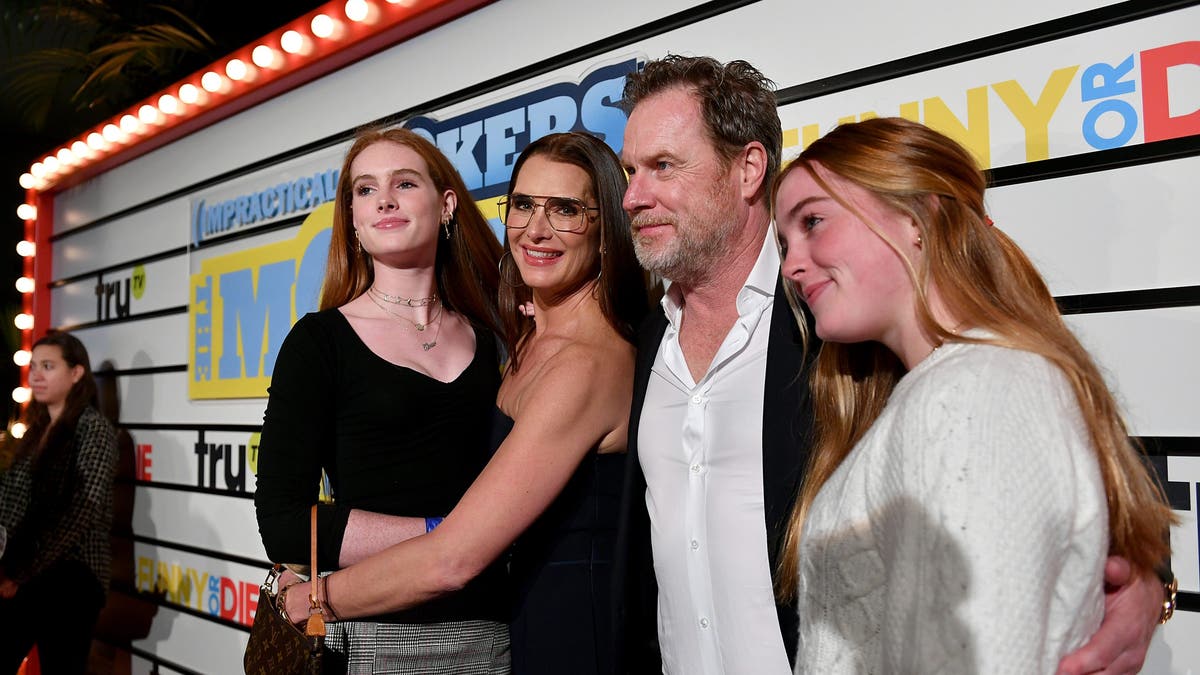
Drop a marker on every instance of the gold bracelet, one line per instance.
(1168, 605)
(281, 602)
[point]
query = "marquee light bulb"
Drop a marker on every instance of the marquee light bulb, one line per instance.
(23, 321)
(27, 212)
(18, 430)
(212, 82)
(26, 248)
(80, 149)
(130, 124)
(22, 395)
(112, 133)
(357, 10)
(37, 170)
(168, 104)
(96, 141)
(148, 114)
(322, 26)
(264, 57)
(293, 42)
(189, 94)
(27, 180)
(236, 70)
(66, 157)
(51, 163)
(25, 285)
(22, 357)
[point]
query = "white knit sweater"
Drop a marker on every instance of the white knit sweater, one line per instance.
(965, 533)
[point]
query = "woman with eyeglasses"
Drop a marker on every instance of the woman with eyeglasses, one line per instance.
(553, 483)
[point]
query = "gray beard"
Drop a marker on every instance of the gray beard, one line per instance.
(691, 256)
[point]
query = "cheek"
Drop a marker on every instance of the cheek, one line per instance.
(357, 211)
(886, 273)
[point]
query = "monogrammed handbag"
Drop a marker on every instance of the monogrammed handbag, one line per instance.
(277, 646)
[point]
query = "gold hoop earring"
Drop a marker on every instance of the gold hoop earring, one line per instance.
(504, 277)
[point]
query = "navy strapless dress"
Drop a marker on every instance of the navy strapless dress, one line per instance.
(561, 569)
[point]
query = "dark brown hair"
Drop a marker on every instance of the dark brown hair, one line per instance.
(56, 439)
(622, 286)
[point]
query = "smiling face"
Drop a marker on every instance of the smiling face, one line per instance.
(547, 259)
(50, 377)
(395, 206)
(682, 197)
(857, 286)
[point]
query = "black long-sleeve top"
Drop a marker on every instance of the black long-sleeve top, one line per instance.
(392, 441)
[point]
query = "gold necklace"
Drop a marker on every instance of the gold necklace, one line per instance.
(401, 300)
(416, 324)
(419, 326)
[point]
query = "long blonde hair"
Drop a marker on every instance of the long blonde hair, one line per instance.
(985, 280)
(466, 262)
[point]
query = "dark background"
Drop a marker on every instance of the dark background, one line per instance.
(33, 126)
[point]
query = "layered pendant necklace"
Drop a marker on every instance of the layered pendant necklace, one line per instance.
(377, 295)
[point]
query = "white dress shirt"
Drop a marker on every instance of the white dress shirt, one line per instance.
(700, 447)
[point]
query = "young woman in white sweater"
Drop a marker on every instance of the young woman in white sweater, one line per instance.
(971, 472)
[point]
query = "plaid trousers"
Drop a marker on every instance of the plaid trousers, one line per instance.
(450, 648)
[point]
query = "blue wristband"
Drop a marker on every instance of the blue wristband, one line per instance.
(431, 523)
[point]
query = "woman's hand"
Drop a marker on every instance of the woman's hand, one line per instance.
(295, 596)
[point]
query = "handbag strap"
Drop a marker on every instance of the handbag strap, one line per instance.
(316, 622)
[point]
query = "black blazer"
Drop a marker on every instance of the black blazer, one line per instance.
(787, 432)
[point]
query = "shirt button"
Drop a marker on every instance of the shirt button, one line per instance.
(695, 544)
(703, 622)
(697, 399)
(695, 468)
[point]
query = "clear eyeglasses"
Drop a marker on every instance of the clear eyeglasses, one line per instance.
(566, 214)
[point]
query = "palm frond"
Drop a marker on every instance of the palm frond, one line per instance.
(196, 30)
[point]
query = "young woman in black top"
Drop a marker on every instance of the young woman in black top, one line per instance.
(389, 389)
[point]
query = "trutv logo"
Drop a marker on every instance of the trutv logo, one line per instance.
(113, 297)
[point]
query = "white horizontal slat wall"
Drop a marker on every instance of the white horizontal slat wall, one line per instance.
(1091, 232)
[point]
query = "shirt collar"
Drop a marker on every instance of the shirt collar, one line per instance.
(760, 284)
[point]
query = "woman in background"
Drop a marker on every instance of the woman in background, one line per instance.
(971, 471)
(553, 484)
(56, 505)
(389, 389)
